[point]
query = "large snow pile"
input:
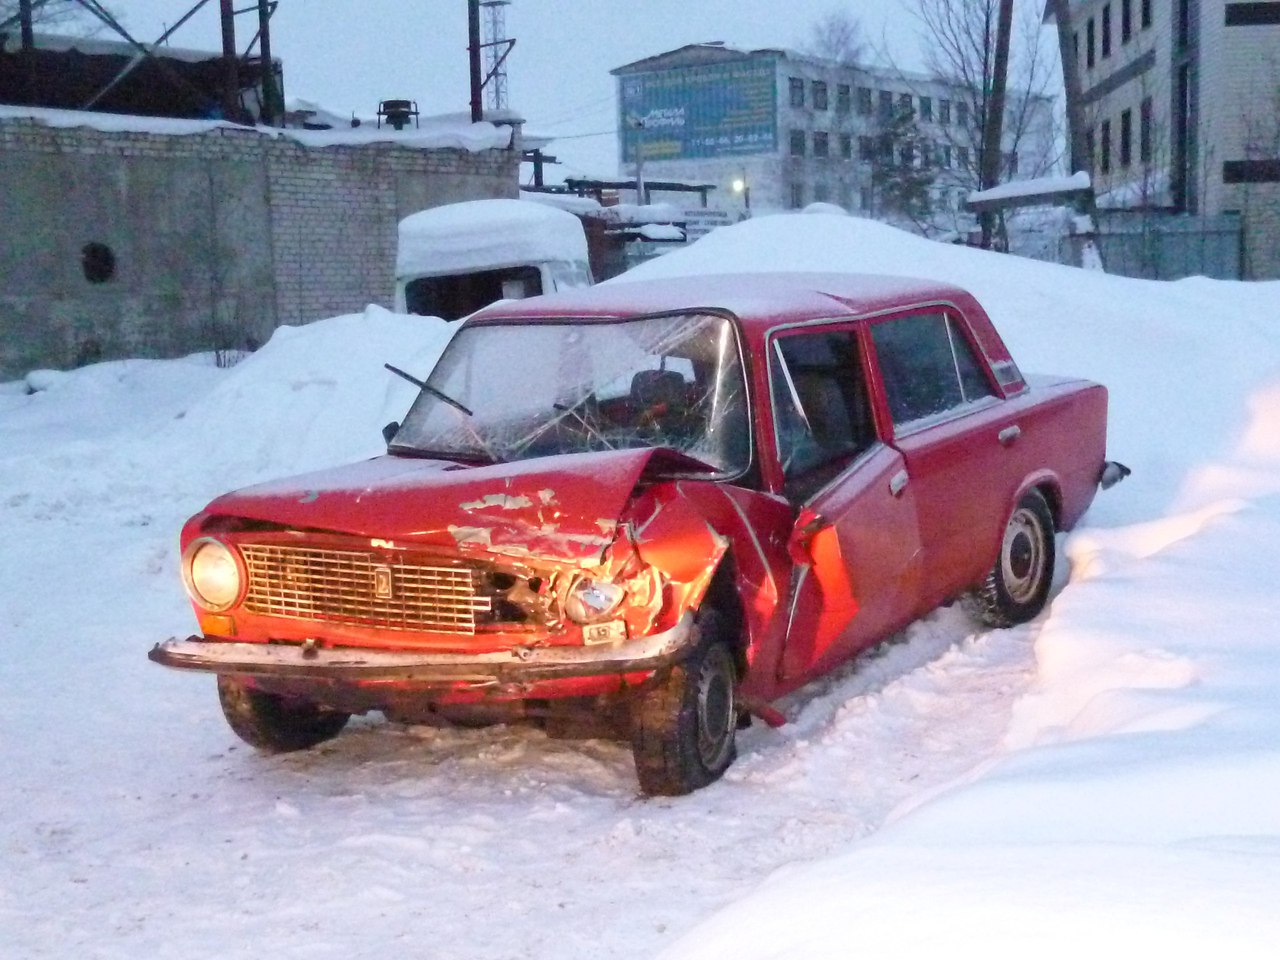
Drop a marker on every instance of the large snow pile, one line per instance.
(1098, 782)
(1132, 804)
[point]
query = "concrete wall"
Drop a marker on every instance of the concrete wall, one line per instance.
(217, 236)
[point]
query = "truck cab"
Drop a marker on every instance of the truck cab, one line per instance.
(454, 259)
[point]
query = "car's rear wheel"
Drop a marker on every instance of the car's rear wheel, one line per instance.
(1017, 587)
(683, 729)
(274, 723)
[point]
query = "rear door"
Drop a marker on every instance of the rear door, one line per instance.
(856, 542)
(958, 438)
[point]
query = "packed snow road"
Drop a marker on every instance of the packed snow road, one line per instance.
(1100, 782)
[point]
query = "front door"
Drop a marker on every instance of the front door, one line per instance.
(856, 544)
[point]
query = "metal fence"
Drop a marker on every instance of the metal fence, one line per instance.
(1155, 245)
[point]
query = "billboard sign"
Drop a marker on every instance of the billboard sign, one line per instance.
(690, 113)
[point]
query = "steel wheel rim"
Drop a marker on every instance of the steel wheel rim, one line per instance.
(715, 710)
(1022, 555)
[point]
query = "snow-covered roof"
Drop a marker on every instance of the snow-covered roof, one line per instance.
(479, 234)
(449, 131)
(1046, 188)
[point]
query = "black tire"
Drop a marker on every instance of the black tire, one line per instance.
(683, 728)
(1017, 586)
(273, 723)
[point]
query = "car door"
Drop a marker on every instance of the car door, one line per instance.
(856, 543)
(956, 436)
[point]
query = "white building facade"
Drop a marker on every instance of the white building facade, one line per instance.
(789, 129)
(1182, 98)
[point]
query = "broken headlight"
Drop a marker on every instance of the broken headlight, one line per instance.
(591, 600)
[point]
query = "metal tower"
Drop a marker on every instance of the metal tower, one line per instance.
(496, 48)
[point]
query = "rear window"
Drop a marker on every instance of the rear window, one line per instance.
(928, 367)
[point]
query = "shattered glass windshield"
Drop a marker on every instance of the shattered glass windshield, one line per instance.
(533, 390)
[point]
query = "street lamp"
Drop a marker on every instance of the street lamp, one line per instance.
(741, 186)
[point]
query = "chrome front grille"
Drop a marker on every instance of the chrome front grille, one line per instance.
(352, 586)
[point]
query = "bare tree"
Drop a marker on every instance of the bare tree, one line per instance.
(59, 14)
(959, 38)
(837, 36)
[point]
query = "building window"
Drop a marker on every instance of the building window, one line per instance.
(962, 113)
(1090, 149)
(1146, 14)
(797, 143)
(1090, 44)
(1126, 21)
(797, 196)
(1106, 31)
(886, 105)
(846, 146)
(819, 95)
(907, 155)
(904, 104)
(846, 195)
(867, 148)
(1144, 131)
(1126, 138)
(926, 109)
(821, 193)
(797, 91)
(946, 155)
(842, 97)
(864, 198)
(1105, 143)
(821, 144)
(944, 111)
(864, 101)
(962, 157)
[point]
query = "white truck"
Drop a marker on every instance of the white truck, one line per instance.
(454, 259)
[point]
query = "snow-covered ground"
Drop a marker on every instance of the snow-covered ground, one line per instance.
(1103, 779)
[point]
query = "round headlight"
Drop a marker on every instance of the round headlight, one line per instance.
(212, 574)
(591, 600)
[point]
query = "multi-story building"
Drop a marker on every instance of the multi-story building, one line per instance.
(1182, 98)
(780, 130)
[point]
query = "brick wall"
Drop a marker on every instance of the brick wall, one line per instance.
(217, 236)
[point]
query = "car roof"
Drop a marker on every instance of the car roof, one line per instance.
(759, 300)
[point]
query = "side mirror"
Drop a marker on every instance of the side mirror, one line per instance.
(389, 431)
(808, 525)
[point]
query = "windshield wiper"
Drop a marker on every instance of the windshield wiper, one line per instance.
(423, 385)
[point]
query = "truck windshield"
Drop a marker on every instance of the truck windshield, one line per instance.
(538, 389)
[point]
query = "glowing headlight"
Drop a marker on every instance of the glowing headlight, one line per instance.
(591, 600)
(212, 574)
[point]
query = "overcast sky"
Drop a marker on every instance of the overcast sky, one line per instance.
(349, 54)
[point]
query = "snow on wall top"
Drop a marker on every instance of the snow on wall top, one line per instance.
(447, 132)
(479, 234)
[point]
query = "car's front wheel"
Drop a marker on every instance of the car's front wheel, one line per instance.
(683, 729)
(274, 723)
(1017, 587)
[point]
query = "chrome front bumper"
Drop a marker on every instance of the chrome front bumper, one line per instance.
(518, 665)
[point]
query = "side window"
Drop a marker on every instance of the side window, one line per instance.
(821, 411)
(927, 365)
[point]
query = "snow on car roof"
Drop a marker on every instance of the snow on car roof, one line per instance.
(758, 299)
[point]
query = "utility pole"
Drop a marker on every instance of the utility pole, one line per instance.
(993, 130)
(477, 81)
(271, 105)
(28, 47)
(230, 64)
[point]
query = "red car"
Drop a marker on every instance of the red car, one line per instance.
(652, 508)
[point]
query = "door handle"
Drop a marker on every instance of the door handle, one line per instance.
(1009, 434)
(898, 483)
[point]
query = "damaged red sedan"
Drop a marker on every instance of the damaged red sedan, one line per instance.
(650, 508)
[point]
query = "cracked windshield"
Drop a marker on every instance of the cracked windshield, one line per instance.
(508, 392)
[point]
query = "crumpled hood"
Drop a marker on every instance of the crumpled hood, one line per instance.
(564, 508)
